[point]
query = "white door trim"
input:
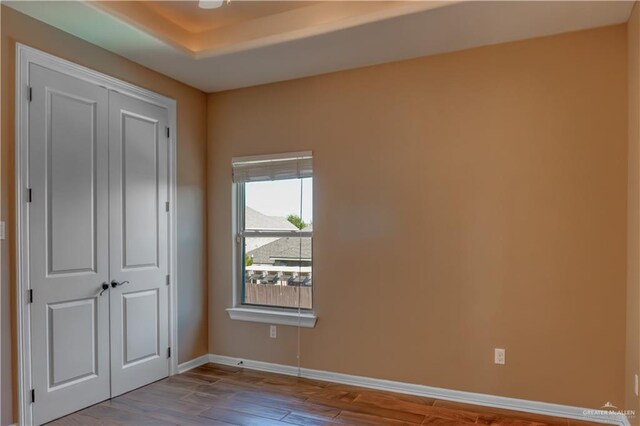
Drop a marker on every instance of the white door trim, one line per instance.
(25, 56)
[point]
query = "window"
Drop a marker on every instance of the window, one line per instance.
(274, 233)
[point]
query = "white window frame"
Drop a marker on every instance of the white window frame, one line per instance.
(256, 313)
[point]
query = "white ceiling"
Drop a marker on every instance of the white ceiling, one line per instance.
(419, 29)
(190, 17)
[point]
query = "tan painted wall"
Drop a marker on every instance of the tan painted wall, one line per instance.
(192, 223)
(463, 202)
(633, 215)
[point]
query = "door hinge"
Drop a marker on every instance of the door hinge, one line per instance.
(29, 93)
(28, 195)
(168, 352)
(33, 396)
(168, 132)
(168, 280)
(166, 207)
(30, 294)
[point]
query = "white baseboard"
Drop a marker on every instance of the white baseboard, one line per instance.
(543, 408)
(186, 366)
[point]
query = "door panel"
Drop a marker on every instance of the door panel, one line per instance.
(141, 326)
(72, 341)
(71, 178)
(138, 167)
(68, 240)
(140, 191)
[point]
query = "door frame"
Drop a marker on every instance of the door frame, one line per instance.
(25, 56)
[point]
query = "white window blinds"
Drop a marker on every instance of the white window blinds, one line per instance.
(258, 168)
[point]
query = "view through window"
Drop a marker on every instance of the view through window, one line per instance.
(277, 242)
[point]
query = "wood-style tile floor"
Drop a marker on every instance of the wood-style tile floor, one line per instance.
(220, 395)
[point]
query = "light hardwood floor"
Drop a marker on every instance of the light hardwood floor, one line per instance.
(221, 395)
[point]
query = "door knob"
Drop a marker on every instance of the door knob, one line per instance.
(115, 283)
(105, 287)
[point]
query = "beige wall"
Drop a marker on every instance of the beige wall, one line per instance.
(191, 220)
(633, 215)
(463, 202)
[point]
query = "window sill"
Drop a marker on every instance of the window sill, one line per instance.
(306, 320)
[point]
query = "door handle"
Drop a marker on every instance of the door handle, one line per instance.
(105, 287)
(115, 283)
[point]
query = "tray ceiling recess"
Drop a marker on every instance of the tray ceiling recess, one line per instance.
(246, 43)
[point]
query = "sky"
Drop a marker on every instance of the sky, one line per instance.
(281, 197)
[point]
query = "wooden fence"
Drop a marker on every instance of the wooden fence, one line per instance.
(278, 295)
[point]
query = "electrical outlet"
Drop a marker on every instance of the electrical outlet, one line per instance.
(2, 231)
(499, 356)
(635, 385)
(273, 331)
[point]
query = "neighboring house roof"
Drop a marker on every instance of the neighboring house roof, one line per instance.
(253, 219)
(289, 248)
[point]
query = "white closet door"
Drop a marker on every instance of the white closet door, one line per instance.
(138, 172)
(68, 220)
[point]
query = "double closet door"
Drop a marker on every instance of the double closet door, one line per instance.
(98, 243)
